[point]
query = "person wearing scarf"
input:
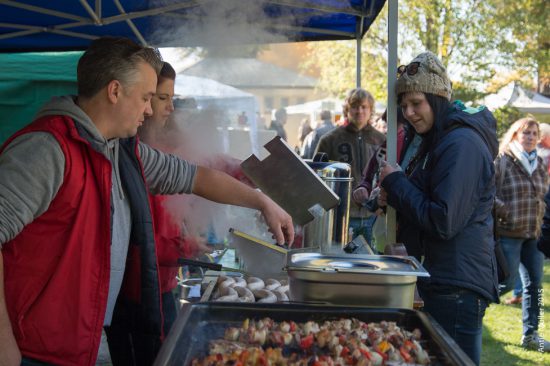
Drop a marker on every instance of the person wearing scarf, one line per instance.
(521, 183)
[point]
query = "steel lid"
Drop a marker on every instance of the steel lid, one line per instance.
(356, 264)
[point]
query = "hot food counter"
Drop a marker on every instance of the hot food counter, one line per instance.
(283, 334)
(341, 309)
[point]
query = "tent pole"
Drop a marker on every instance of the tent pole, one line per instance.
(392, 108)
(358, 61)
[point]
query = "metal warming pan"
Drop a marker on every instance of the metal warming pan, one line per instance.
(199, 323)
(359, 280)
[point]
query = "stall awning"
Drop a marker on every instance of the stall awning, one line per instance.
(36, 25)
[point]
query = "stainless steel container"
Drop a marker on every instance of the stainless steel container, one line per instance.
(257, 257)
(358, 280)
(329, 229)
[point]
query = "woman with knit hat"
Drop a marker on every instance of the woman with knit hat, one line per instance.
(444, 200)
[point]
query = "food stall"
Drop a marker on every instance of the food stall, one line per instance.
(72, 26)
(270, 304)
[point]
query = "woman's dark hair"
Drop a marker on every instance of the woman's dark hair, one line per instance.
(167, 71)
(441, 108)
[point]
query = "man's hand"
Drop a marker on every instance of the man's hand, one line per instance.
(360, 195)
(279, 222)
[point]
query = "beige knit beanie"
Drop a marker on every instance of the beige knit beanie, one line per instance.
(430, 77)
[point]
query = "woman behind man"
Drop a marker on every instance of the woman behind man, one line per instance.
(522, 181)
(444, 200)
(171, 244)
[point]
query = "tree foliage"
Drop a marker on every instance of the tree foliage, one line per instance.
(478, 41)
(505, 116)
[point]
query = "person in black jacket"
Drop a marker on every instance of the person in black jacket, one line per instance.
(444, 200)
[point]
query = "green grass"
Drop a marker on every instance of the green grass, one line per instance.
(502, 332)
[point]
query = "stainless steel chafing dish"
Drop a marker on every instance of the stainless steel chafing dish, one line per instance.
(358, 280)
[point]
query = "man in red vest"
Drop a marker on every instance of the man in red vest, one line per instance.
(74, 213)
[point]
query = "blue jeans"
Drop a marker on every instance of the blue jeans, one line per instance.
(524, 251)
(460, 312)
(362, 226)
(518, 288)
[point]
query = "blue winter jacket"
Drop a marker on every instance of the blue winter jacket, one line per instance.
(445, 205)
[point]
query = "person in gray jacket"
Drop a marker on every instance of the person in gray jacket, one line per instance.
(92, 229)
(312, 139)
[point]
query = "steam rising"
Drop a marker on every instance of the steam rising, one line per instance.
(200, 135)
(219, 23)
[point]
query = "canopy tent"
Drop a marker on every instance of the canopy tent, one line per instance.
(515, 96)
(31, 25)
(35, 25)
(205, 90)
(314, 107)
(28, 80)
(210, 94)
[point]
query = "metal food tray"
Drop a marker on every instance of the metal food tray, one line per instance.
(354, 280)
(199, 323)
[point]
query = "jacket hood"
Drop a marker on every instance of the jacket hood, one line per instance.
(480, 119)
(66, 106)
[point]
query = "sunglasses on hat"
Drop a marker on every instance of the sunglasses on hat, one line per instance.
(411, 69)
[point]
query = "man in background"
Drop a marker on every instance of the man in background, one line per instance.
(312, 139)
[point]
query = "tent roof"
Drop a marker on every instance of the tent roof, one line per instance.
(197, 87)
(53, 66)
(331, 104)
(318, 105)
(35, 25)
(514, 95)
(249, 73)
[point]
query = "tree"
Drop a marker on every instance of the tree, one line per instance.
(529, 44)
(470, 36)
(337, 65)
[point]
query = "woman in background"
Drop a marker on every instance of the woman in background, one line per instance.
(522, 182)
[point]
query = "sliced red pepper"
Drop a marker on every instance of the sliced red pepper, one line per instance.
(384, 355)
(366, 353)
(243, 357)
(409, 345)
(405, 354)
(344, 352)
(307, 341)
(292, 326)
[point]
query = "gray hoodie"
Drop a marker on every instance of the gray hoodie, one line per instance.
(32, 168)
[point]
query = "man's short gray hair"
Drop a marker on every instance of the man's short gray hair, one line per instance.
(112, 58)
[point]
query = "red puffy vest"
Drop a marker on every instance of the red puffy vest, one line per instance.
(57, 269)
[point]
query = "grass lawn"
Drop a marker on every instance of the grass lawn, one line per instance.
(502, 332)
